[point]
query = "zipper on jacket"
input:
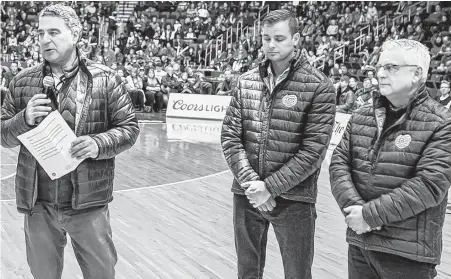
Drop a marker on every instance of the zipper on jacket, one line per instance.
(267, 121)
(266, 131)
(375, 149)
(56, 193)
(270, 100)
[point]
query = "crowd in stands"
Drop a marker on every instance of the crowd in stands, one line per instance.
(162, 47)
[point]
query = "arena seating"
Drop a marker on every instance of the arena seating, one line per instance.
(221, 36)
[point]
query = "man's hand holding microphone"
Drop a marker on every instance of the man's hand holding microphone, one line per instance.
(41, 105)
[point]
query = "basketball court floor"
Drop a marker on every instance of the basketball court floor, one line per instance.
(172, 213)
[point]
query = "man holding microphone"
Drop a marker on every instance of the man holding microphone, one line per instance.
(93, 102)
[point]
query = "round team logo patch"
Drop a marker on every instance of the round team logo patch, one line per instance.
(289, 100)
(402, 141)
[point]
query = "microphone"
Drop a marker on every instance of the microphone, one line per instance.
(48, 91)
(48, 83)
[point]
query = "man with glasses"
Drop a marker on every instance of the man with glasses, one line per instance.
(390, 173)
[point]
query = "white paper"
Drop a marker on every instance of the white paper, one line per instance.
(49, 143)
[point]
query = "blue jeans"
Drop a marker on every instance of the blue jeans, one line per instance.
(294, 226)
(365, 264)
(91, 237)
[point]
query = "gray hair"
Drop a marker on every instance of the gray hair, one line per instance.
(66, 13)
(414, 51)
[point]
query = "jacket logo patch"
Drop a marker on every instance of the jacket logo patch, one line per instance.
(289, 100)
(402, 141)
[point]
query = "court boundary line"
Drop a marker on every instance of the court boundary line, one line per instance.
(8, 176)
(158, 186)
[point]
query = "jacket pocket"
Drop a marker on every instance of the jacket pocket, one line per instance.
(94, 181)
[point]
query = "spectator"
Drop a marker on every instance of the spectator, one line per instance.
(370, 74)
(435, 17)
(345, 96)
(445, 62)
(134, 86)
(332, 30)
(3, 86)
(228, 86)
(325, 44)
(353, 84)
(186, 85)
(332, 11)
(14, 70)
(364, 95)
(109, 57)
(201, 86)
(159, 73)
(170, 82)
(192, 12)
(154, 96)
(372, 13)
(203, 12)
(445, 96)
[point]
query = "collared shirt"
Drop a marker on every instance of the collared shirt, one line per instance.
(272, 81)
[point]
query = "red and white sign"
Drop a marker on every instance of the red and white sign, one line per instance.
(197, 106)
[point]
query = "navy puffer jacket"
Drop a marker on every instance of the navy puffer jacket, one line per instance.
(280, 137)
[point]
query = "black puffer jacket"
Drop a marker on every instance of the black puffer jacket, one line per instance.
(107, 115)
(280, 137)
(400, 177)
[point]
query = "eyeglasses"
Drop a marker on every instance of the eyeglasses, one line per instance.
(391, 68)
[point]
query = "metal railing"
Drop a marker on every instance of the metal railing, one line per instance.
(219, 44)
(381, 22)
(261, 15)
(339, 52)
(359, 42)
(321, 60)
(366, 28)
(239, 29)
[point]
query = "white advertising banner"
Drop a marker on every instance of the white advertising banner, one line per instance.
(197, 106)
(194, 130)
(341, 121)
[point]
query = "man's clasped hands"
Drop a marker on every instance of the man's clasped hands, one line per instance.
(260, 198)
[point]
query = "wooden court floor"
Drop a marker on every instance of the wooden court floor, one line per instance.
(172, 214)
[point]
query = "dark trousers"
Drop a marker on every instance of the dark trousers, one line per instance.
(294, 226)
(150, 99)
(91, 237)
(137, 97)
(365, 264)
(154, 100)
(159, 101)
